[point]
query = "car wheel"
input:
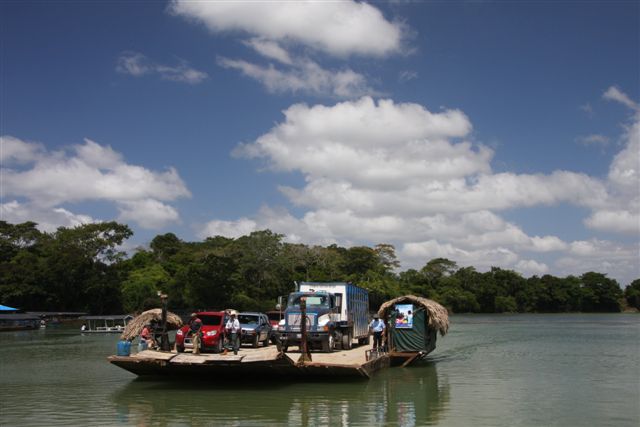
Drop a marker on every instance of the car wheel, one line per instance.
(255, 342)
(219, 346)
(265, 343)
(180, 349)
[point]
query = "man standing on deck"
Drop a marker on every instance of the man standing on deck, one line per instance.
(232, 329)
(377, 327)
(195, 325)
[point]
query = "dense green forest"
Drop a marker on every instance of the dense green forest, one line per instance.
(81, 269)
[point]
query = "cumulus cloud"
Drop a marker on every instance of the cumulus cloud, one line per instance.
(14, 150)
(337, 28)
(615, 259)
(380, 171)
(619, 212)
(47, 218)
(136, 64)
(148, 213)
(85, 172)
(531, 267)
(233, 229)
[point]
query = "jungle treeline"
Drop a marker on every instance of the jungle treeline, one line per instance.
(82, 269)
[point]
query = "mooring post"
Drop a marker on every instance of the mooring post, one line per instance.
(164, 337)
(304, 347)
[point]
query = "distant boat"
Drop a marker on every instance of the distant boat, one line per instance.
(18, 322)
(104, 324)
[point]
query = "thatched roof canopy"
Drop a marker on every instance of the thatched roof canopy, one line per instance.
(438, 315)
(134, 327)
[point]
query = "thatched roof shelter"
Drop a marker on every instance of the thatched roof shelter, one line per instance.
(134, 327)
(438, 316)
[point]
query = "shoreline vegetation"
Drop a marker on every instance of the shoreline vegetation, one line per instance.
(82, 269)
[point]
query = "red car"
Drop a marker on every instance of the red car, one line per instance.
(212, 333)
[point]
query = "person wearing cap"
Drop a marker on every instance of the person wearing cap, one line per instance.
(232, 328)
(377, 327)
(195, 325)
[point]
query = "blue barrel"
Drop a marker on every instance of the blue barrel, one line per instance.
(142, 345)
(124, 348)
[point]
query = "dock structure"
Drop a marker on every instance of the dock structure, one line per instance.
(265, 361)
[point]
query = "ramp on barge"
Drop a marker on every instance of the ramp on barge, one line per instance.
(252, 363)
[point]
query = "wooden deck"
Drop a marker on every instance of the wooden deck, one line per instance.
(264, 361)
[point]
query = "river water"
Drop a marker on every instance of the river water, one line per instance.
(493, 370)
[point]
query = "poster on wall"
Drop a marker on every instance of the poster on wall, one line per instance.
(404, 319)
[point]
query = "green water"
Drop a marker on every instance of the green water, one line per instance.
(522, 370)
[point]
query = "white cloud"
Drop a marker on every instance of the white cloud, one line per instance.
(377, 171)
(48, 219)
(406, 75)
(615, 94)
(303, 76)
(621, 221)
(89, 172)
(419, 252)
(619, 212)
(594, 139)
(336, 28)
(13, 150)
(531, 267)
(233, 229)
(617, 260)
(148, 213)
(269, 49)
(137, 65)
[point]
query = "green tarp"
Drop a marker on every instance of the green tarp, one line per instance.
(418, 338)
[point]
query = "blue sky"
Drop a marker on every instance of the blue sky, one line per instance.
(490, 133)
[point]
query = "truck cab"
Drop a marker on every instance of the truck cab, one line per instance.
(335, 314)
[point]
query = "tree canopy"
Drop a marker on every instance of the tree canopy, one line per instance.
(84, 269)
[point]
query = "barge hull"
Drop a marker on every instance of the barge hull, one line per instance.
(250, 363)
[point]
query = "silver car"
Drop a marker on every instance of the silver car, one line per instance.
(256, 328)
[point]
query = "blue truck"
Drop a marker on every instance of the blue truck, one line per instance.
(337, 313)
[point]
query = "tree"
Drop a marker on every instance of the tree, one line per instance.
(387, 256)
(142, 285)
(632, 294)
(599, 293)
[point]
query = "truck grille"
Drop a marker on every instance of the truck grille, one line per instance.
(293, 320)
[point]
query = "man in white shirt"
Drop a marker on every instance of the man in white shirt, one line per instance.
(232, 329)
(377, 327)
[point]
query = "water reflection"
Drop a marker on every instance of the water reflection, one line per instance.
(397, 396)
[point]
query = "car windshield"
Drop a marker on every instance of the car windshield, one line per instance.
(312, 300)
(247, 319)
(211, 320)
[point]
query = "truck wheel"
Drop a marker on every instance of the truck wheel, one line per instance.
(346, 341)
(328, 344)
(255, 342)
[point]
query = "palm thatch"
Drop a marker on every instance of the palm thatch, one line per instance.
(134, 327)
(437, 314)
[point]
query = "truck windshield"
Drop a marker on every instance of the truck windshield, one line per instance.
(312, 300)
